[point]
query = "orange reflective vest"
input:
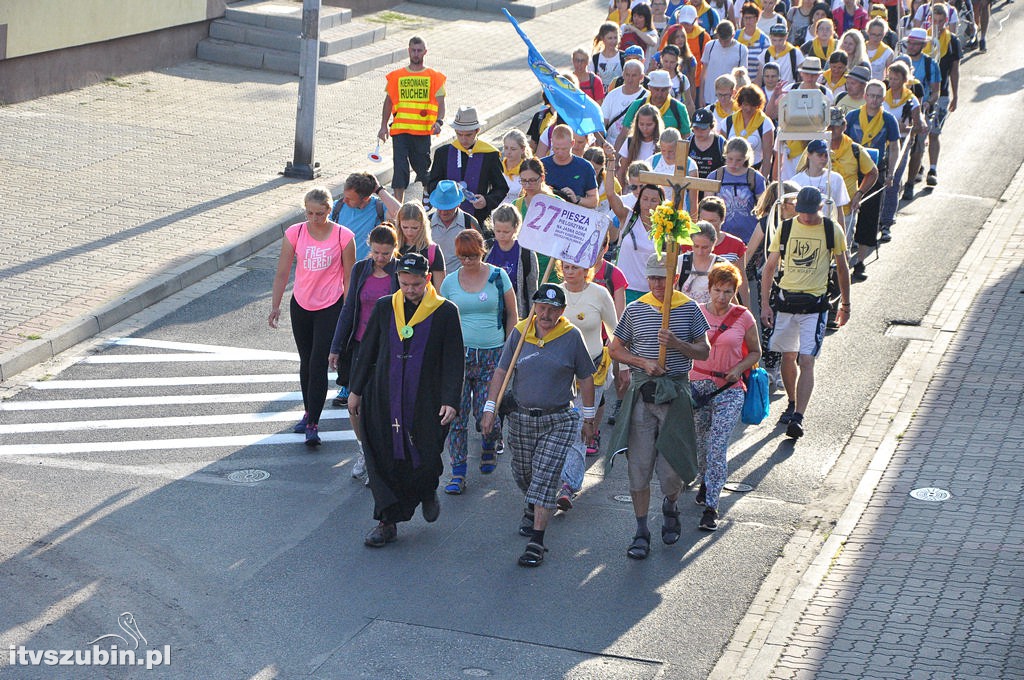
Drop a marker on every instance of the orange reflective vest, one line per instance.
(413, 97)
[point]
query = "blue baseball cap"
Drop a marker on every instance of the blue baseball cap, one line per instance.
(817, 146)
(634, 51)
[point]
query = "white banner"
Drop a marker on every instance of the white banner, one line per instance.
(564, 231)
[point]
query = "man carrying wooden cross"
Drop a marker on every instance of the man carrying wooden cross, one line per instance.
(655, 422)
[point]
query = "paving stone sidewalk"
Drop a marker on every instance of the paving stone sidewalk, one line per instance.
(934, 589)
(118, 194)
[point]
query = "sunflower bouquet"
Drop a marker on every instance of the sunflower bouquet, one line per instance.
(671, 225)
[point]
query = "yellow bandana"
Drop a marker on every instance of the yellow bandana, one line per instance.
(694, 32)
(832, 86)
(561, 328)
(720, 112)
(870, 128)
(844, 145)
(752, 40)
(823, 55)
(787, 48)
(679, 298)
(480, 147)
(428, 305)
(511, 172)
(943, 42)
(744, 131)
(891, 101)
(795, 149)
(878, 53)
(703, 8)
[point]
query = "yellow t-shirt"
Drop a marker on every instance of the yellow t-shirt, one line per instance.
(805, 268)
(845, 163)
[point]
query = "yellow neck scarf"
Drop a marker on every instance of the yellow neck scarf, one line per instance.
(870, 128)
(878, 53)
(694, 32)
(795, 148)
(428, 305)
(679, 298)
(786, 49)
(512, 172)
(703, 9)
(744, 131)
(664, 107)
(891, 100)
(744, 40)
(479, 147)
(823, 53)
(530, 332)
(722, 113)
(839, 83)
(844, 145)
(943, 41)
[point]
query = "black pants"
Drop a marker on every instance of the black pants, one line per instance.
(866, 231)
(313, 332)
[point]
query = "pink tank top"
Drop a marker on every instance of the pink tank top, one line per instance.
(319, 272)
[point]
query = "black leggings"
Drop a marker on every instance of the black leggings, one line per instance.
(313, 332)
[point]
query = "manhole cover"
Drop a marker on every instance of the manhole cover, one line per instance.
(248, 476)
(622, 498)
(737, 487)
(931, 493)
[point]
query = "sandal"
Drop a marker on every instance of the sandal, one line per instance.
(671, 528)
(526, 525)
(640, 548)
(533, 555)
(488, 461)
(455, 486)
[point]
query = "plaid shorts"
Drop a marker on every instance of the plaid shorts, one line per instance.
(539, 446)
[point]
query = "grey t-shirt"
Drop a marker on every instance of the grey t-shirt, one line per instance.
(545, 377)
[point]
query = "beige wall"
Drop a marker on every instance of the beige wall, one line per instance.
(35, 26)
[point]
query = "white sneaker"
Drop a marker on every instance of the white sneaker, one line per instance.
(359, 469)
(775, 375)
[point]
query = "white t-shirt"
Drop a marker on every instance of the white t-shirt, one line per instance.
(754, 139)
(615, 102)
(589, 310)
(634, 252)
(659, 165)
(828, 183)
(647, 150)
(897, 112)
(608, 68)
(881, 60)
(720, 60)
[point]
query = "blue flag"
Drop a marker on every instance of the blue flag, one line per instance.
(579, 111)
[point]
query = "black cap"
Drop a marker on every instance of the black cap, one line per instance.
(413, 263)
(550, 294)
(703, 118)
(808, 200)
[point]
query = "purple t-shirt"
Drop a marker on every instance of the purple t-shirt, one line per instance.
(507, 260)
(373, 290)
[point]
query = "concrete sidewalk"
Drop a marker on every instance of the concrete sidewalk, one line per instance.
(922, 588)
(122, 193)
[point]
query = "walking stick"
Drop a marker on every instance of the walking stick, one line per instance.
(522, 340)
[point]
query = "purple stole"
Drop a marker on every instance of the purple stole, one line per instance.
(470, 179)
(403, 385)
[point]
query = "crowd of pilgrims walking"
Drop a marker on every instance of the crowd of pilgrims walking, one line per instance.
(423, 308)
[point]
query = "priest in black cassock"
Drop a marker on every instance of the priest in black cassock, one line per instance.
(405, 388)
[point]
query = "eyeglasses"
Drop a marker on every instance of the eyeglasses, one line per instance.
(723, 94)
(528, 180)
(874, 96)
(633, 187)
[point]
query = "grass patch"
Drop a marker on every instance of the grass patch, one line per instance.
(390, 17)
(116, 82)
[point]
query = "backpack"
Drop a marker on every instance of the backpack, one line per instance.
(832, 294)
(622, 60)
(686, 264)
(728, 127)
(719, 173)
(336, 210)
(495, 278)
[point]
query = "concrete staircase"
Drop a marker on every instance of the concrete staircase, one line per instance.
(265, 34)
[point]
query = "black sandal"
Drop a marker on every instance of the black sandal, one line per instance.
(533, 555)
(672, 527)
(640, 548)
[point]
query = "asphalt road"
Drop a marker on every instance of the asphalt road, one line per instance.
(114, 507)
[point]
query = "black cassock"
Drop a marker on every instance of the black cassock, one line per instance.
(403, 383)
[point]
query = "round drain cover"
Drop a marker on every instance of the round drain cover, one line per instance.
(248, 476)
(737, 487)
(931, 493)
(623, 498)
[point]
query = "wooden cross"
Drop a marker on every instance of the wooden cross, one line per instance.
(396, 426)
(679, 181)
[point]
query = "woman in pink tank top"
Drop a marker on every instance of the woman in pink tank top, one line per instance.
(323, 253)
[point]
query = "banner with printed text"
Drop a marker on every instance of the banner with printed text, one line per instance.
(563, 231)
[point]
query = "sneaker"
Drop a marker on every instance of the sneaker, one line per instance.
(359, 469)
(564, 500)
(342, 398)
(775, 375)
(981, 45)
(702, 494)
(300, 426)
(312, 435)
(885, 236)
(787, 415)
(795, 429)
(594, 447)
(708, 520)
(858, 274)
(381, 535)
(920, 175)
(933, 178)
(908, 192)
